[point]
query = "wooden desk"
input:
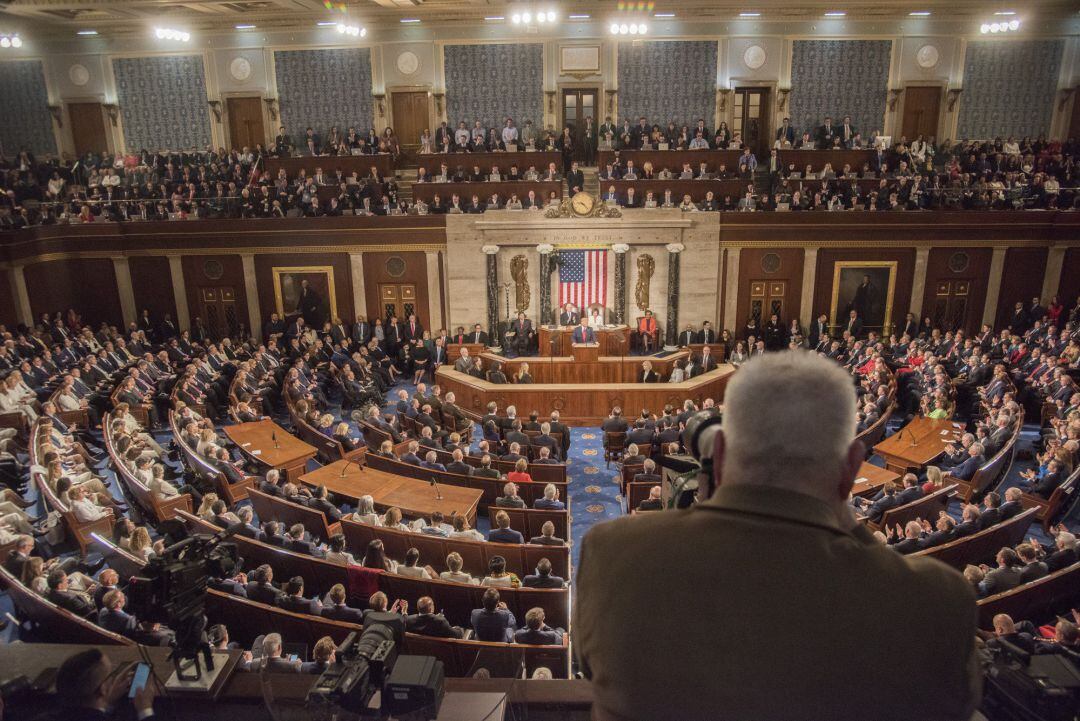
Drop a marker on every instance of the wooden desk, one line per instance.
(583, 402)
(604, 369)
(256, 442)
(555, 341)
(918, 443)
(427, 191)
(816, 159)
(361, 164)
(871, 478)
(522, 159)
(671, 159)
(414, 498)
(696, 189)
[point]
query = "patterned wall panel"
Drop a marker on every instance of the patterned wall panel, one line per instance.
(667, 81)
(490, 82)
(323, 88)
(163, 101)
(25, 121)
(838, 78)
(1009, 87)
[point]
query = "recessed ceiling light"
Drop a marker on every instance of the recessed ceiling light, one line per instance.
(87, 32)
(326, 23)
(665, 15)
(577, 17)
(835, 14)
(493, 18)
(1005, 12)
(919, 13)
(749, 15)
(410, 20)
(244, 27)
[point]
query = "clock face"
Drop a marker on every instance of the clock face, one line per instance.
(927, 56)
(582, 203)
(754, 57)
(240, 68)
(79, 75)
(408, 63)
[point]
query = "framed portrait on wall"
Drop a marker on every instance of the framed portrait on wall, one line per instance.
(307, 291)
(867, 287)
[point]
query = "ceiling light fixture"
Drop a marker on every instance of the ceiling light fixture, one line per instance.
(493, 18)
(835, 14)
(87, 32)
(577, 17)
(749, 15)
(1005, 12)
(325, 23)
(999, 27)
(919, 13)
(410, 20)
(245, 27)
(664, 15)
(355, 30)
(171, 34)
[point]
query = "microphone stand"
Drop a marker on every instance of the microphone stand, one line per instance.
(438, 492)
(349, 462)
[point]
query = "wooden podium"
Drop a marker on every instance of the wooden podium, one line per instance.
(586, 352)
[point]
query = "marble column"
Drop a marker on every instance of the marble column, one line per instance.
(807, 312)
(1055, 259)
(619, 312)
(176, 270)
(918, 283)
(22, 297)
(993, 285)
(546, 251)
(492, 251)
(434, 284)
(122, 271)
(672, 326)
(251, 289)
(731, 292)
(356, 274)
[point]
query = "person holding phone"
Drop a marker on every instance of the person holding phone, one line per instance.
(91, 688)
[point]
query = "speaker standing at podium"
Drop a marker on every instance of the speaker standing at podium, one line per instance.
(583, 333)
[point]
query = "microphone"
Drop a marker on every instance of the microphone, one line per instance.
(435, 484)
(348, 462)
(273, 437)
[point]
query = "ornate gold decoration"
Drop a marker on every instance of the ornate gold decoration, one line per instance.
(519, 270)
(645, 266)
(566, 209)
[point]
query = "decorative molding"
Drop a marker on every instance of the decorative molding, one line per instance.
(57, 113)
(620, 248)
(782, 98)
(545, 248)
(215, 108)
(722, 97)
(951, 96)
(271, 107)
(579, 61)
(489, 249)
(113, 111)
(894, 98)
(675, 248)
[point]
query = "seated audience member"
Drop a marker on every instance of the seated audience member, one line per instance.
(550, 500)
(498, 575)
(462, 529)
(543, 578)
(494, 622)
(536, 632)
(322, 656)
(809, 552)
(502, 533)
(510, 497)
(1007, 575)
(412, 570)
(427, 622)
(653, 502)
(454, 562)
(88, 687)
(547, 536)
(271, 659)
(336, 607)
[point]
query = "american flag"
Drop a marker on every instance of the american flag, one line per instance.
(583, 277)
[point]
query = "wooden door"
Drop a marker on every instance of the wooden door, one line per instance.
(217, 308)
(399, 299)
(922, 104)
(578, 104)
(766, 298)
(410, 114)
(88, 128)
(751, 119)
(246, 128)
(950, 310)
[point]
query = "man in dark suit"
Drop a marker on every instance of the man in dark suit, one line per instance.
(378, 613)
(615, 423)
(854, 324)
(337, 609)
(654, 502)
(641, 436)
(262, 589)
(847, 132)
(361, 331)
(61, 595)
(515, 434)
(575, 179)
(536, 632)
(427, 622)
(458, 465)
(967, 469)
(910, 327)
(818, 330)
(542, 578)
(294, 600)
(688, 336)
(888, 500)
(583, 333)
(1007, 575)
(477, 335)
(494, 622)
(502, 533)
(569, 316)
(520, 334)
(825, 134)
(707, 361)
(545, 440)
(786, 133)
(88, 685)
(485, 470)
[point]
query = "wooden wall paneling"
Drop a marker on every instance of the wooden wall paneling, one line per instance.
(905, 270)
(151, 282)
(398, 269)
(9, 315)
(86, 284)
(264, 278)
(1021, 281)
(1070, 276)
(752, 266)
(215, 274)
(946, 266)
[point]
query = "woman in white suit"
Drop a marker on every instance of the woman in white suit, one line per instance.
(596, 319)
